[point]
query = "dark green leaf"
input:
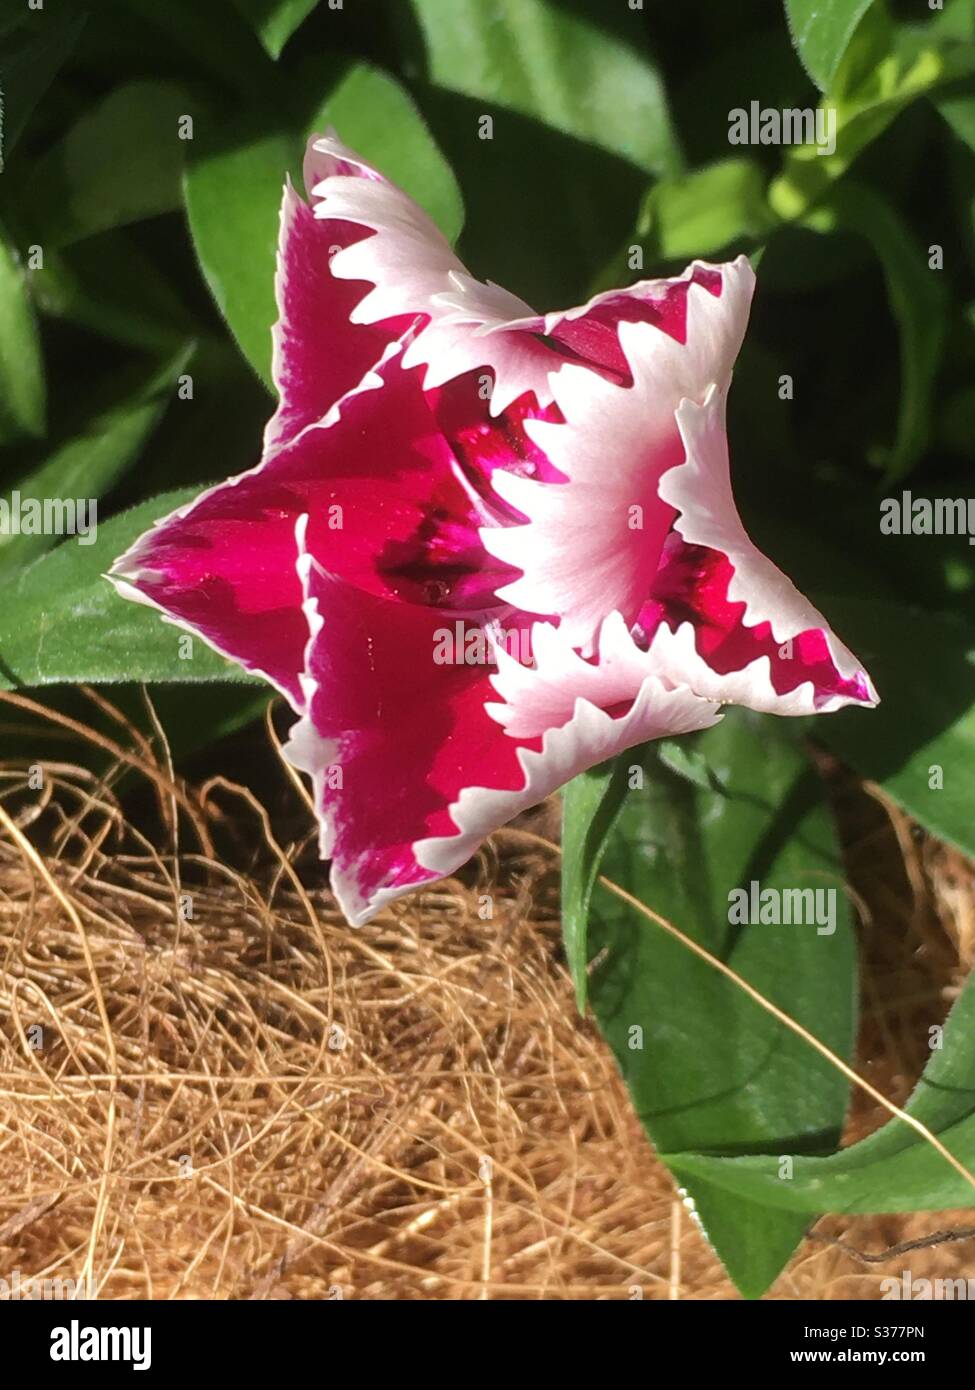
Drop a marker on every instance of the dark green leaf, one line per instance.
(120, 163)
(918, 301)
(33, 46)
(214, 38)
(108, 285)
(920, 743)
(86, 466)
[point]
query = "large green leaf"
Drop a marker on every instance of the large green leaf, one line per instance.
(710, 1068)
(589, 77)
(120, 163)
(233, 191)
(22, 392)
(275, 21)
(61, 620)
(895, 1168)
(821, 31)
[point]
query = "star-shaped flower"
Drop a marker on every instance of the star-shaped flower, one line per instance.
(484, 548)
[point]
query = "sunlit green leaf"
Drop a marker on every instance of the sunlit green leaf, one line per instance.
(589, 76)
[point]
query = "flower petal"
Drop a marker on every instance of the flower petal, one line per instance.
(593, 543)
(413, 271)
(388, 512)
(228, 575)
(411, 767)
(317, 355)
(751, 637)
(390, 738)
(591, 331)
(566, 715)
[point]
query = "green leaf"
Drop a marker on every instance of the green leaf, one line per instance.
(957, 106)
(33, 46)
(686, 761)
(923, 664)
(86, 466)
(918, 301)
(588, 77)
(895, 1168)
(120, 163)
(590, 806)
(821, 31)
(234, 181)
(274, 21)
(884, 70)
(22, 391)
(706, 212)
(955, 21)
(711, 1069)
(61, 620)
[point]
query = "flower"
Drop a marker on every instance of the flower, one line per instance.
(445, 464)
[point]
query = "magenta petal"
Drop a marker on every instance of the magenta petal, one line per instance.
(724, 619)
(226, 571)
(692, 587)
(387, 511)
(413, 762)
(590, 334)
(318, 355)
(391, 737)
